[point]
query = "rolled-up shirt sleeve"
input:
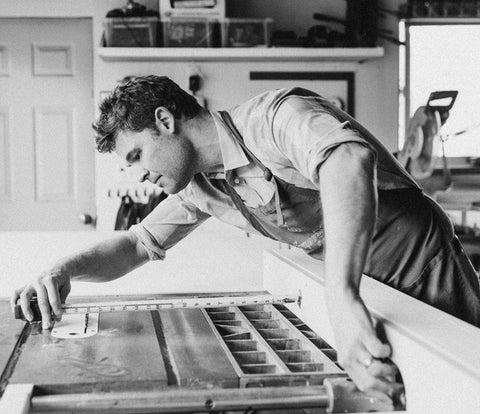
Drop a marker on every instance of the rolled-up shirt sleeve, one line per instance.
(306, 133)
(172, 220)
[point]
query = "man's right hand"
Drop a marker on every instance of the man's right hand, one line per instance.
(360, 351)
(51, 289)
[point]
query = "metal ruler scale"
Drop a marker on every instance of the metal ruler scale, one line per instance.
(159, 304)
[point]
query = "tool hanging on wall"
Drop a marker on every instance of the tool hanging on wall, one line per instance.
(423, 142)
(195, 83)
(133, 209)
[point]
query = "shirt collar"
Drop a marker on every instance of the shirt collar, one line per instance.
(233, 155)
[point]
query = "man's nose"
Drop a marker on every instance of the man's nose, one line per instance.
(137, 173)
(143, 175)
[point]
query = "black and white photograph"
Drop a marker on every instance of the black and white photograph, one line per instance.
(239, 206)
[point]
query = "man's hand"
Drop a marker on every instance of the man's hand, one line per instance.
(360, 352)
(51, 288)
(103, 262)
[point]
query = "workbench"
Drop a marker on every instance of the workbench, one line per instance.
(437, 354)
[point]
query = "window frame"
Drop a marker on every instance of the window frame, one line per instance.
(404, 80)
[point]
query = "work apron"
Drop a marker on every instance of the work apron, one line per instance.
(413, 248)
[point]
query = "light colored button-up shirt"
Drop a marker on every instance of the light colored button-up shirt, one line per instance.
(292, 135)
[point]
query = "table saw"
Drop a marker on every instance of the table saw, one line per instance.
(261, 358)
(258, 356)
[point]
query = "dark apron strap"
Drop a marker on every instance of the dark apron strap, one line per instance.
(267, 174)
(255, 223)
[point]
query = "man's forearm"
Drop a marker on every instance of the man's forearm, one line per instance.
(107, 260)
(349, 203)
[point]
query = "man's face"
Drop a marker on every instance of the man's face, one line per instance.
(165, 160)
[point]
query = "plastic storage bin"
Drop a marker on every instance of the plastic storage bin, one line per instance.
(131, 31)
(246, 32)
(212, 9)
(181, 32)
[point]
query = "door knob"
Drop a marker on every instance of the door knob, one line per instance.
(87, 219)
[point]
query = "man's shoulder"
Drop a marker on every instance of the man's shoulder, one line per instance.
(273, 96)
(262, 108)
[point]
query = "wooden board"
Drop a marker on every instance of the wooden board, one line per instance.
(124, 355)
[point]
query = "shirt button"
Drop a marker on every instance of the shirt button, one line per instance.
(236, 180)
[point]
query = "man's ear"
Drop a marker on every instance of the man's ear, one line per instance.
(164, 120)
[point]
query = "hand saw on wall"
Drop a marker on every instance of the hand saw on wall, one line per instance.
(423, 143)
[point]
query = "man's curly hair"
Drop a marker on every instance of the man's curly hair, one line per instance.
(132, 105)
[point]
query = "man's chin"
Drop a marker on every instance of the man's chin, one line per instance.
(173, 189)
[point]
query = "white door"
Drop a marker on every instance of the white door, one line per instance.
(46, 111)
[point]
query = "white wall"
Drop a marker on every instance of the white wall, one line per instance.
(377, 81)
(230, 258)
(209, 260)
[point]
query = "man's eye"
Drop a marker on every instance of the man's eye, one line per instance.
(134, 157)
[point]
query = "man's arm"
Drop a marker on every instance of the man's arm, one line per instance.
(107, 260)
(349, 203)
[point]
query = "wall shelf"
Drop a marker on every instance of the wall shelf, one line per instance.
(441, 20)
(240, 54)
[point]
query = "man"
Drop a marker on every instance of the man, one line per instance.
(289, 165)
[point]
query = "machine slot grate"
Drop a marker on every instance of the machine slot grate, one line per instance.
(237, 336)
(259, 368)
(222, 316)
(250, 357)
(228, 323)
(285, 344)
(242, 345)
(305, 367)
(264, 339)
(229, 329)
(275, 333)
(307, 332)
(331, 353)
(299, 355)
(320, 343)
(256, 314)
(265, 323)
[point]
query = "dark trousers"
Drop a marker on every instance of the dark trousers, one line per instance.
(450, 283)
(414, 250)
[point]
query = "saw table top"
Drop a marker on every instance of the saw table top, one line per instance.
(167, 354)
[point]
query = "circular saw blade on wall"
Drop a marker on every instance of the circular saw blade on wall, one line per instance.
(422, 144)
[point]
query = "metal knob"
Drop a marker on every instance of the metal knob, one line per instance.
(87, 219)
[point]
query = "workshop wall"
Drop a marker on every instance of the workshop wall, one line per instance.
(226, 254)
(376, 93)
(200, 263)
(376, 80)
